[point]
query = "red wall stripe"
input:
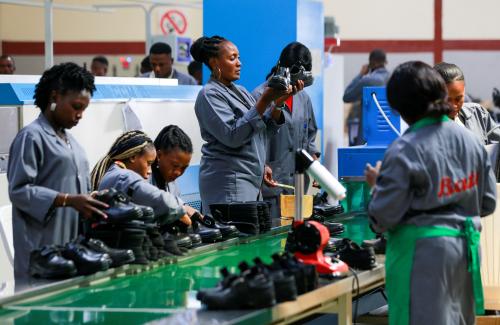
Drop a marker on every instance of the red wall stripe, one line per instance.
(74, 48)
(346, 46)
(410, 46)
(438, 31)
(365, 46)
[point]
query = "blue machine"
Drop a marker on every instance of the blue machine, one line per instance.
(377, 132)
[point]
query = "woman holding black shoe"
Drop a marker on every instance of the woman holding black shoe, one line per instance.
(234, 126)
(48, 171)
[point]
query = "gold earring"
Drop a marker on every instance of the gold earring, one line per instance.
(219, 74)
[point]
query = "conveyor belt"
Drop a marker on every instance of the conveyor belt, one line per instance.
(158, 293)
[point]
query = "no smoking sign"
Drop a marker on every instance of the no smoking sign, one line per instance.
(173, 22)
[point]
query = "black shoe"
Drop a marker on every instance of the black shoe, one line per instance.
(195, 240)
(335, 228)
(243, 215)
(47, 263)
(177, 231)
(327, 210)
(118, 256)
(280, 79)
(306, 276)
(251, 289)
(148, 214)
(334, 245)
(227, 279)
(298, 72)
(171, 245)
(227, 231)
(378, 244)
(357, 257)
(86, 261)
(208, 235)
(120, 208)
(283, 279)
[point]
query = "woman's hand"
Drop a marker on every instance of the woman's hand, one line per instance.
(185, 219)
(268, 177)
(371, 173)
(85, 204)
(190, 210)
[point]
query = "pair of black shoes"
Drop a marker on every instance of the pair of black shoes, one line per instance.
(306, 276)
(66, 261)
(48, 263)
(334, 228)
(357, 257)
(131, 235)
(118, 257)
(248, 290)
(199, 229)
(250, 218)
(208, 222)
(322, 208)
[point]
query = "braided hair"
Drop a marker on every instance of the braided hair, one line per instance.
(62, 78)
(170, 138)
(205, 48)
(127, 145)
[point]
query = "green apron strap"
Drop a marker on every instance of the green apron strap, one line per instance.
(473, 240)
(400, 252)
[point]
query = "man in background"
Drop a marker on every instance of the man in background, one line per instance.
(99, 66)
(160, 57)
(195, 70)
(7, 64)
(372, 74)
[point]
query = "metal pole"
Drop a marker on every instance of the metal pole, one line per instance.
(49, 41)
(299, 194)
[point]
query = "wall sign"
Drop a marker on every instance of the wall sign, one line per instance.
(173, 22)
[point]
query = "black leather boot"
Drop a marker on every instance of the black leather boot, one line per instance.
(120, 208)
(48, 263)
(86, 261)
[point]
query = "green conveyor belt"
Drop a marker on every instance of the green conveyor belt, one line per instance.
(153, 294)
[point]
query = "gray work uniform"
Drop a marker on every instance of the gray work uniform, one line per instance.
(233, 156)
(477, 119)
(298, 132)
(142, 192)
(171, 188)
(436, 176)
(41, 165)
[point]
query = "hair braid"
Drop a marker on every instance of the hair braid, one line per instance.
(126, 146)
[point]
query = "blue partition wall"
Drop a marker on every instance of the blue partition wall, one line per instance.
(261, 29)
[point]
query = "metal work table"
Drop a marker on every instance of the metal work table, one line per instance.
(165, 291)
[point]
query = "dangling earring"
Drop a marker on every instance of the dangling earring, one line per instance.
(52, 107)
(218, 75)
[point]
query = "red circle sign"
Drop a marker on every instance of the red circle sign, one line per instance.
(173, 22)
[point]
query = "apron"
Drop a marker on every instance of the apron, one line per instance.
(399, 263)
(401, 242)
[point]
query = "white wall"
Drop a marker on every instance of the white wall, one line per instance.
(382, 19)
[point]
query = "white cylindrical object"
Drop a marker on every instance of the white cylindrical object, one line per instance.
(329, 183)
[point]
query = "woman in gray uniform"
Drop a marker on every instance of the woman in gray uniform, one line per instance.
(234, 126)
(434, 184)
(48, 171)
(127, 166)
(173, 155)
(299, 131)
(470, 115)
